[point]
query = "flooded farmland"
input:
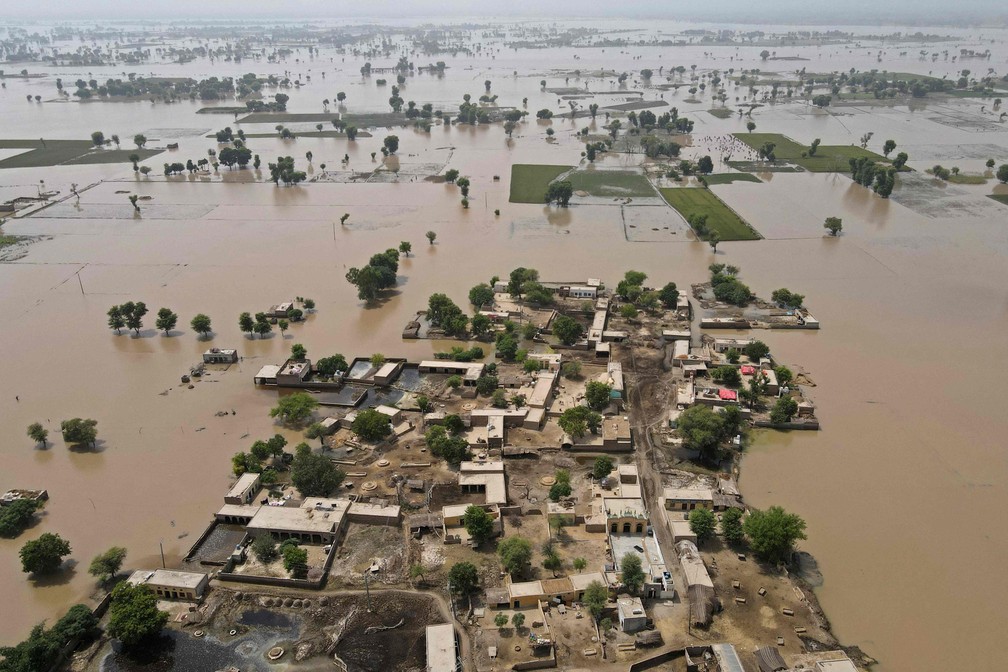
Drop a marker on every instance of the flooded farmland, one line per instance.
(902, 490)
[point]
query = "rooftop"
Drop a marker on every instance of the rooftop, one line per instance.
(616, 428)
(526, 589)
(441, 648)
(167, 577)
(305, 519)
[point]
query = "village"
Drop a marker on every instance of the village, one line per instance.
(550, 506)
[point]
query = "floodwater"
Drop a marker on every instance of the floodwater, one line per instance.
(902, 490)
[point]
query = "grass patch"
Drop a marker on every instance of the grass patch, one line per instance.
(529, 181)
(60, 152)
(721, 112)
(237, 109)
(7, 240)
(611, 183)
(967, 179)
(1000, 198)
(759, 167)
(728, 178)
(720, 217)
(828, 158)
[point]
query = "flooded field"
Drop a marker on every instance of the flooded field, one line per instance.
(902, 491)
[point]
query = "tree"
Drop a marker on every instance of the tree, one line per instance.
(478, 523)
(38, 433)
(784, 375)
(756, 350)
(105, 566)
(603, 467)
(773, 533)
(201, 325)
(371, 425)
(887, 147)
(16, 516)
(262, 325)
(713, 238)
(431, 237)
(295, 559)
(481, 295)
(517, 620)
(595, 598)
(294, 408)
(44, 555)
(669, 296)
(314, 475)
(80, 431)
(577, 420)
(134, 618)
(702, 430)
(390, 144)
(139, 140)
(628, 311)
(501, 619)
(133, 314)
(764, 55)
(463, 578)
(329, 366)
(316, 431)
(705, 165)
(731, 526)
(560, 192)
(514, 553)
(298, 352)
(570, 369)
(1002, 173)
(568, 330)
(631, 572)
(264, 548)
(579, 564)
(787, 298)
(246, 323)
(98, 138)
(702, 522)
(783, 410)
(598, 395)
(834, 224)
(750, 126)
(405, 247)
(115, 318)
(166, 320)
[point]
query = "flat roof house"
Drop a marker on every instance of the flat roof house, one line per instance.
(244, 491)
(441, 655)
(219, 356)
(687, 499)
(293, 372)
(267, 375)
(484, 477)
(170, 584)
(616, 434)
(317, 521)
(632, 616)
(470, 371)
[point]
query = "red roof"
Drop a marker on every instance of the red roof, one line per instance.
(748, 370)
(727, 395)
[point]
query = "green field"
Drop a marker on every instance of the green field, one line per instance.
(728, 178)
(720, 217)
(828, 158)
(68, 152)
(1000, 198)
(962, 178)
(611, 183)
(721, 112)
(529, 181)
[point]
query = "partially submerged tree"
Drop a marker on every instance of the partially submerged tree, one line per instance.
(105, 566)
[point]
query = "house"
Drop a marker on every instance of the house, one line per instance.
(680, 351)
(244, 491)
(469, 371)
(687, 499)
(676, 334)
(170, 584)
(394, 415)
(219, 356)
(839, 664)
(441, 648)
(534, 418)
(616, 434)
(723, 345)
(614, 378)
(267, 375)
(547, 360)
(293, 372)
(625, 515)
(567, 589)
(632, 616)
(317, 520)
(330, 425)
(542, 390)
(452, 516)
(388, 372)
(486, 478)
(281, 310)
(579, 292)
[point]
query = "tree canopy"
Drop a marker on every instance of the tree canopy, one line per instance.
(106, 565)
(314, 475)
(44, 555)
(577, 420)
(595, 598)
(631, 572)
(463, 578)
(294, 408)
(80, 431)
(478, 523)
(134, 617)
(16, 516)
(514, 553)
(702, 522)
(567, 329)
(371, 425)
(773, 533)
(597, 395)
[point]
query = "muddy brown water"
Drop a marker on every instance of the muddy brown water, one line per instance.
(902, 490)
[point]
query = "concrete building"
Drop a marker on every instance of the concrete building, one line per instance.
(441, 651)
(267, 375)
(723, 345)
(394, 415)
(614, 378)
(676, 334)
(170, 584)
(469, 371)
(388, 372)
(547, 360)
(542, 390)
(840, 664)
(293, 372)
(616, 434)
(687, 499)
(625, 515)
(244, 491)
(219, 356)
(452, 516)
(484, 477)
(581, 292)
(281, 310)
(319, 521)
(632, 616)
(565, 589)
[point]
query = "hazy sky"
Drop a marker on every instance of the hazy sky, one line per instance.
(843, 12)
